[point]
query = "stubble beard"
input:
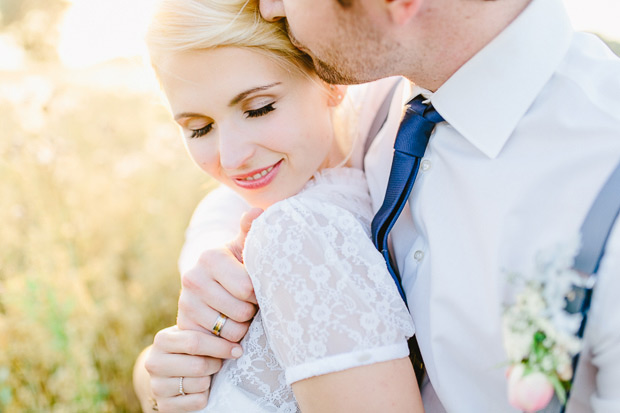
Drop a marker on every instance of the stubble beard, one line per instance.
(326, 71)
(331, 75)
(348, 67)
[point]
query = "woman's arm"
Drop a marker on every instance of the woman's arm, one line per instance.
(330, 310)
(388, 386)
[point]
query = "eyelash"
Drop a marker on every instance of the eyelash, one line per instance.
(197, 133)
(261, 111)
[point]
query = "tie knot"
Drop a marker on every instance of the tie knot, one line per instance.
(426, 110)
(416, 127)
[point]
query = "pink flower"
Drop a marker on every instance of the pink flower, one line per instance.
(530, 392)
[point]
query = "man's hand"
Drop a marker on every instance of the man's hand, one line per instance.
(219, 284)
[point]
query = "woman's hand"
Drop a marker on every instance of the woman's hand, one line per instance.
(219, 285)
(191, 355)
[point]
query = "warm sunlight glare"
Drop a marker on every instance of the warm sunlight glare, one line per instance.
(600, 16)
(94, 31)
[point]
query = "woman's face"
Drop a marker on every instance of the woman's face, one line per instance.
(248, 122)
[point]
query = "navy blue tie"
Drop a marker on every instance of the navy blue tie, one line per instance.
(411, 140)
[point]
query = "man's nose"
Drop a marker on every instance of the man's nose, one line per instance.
(272, 10)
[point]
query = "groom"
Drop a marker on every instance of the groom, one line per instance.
(531, 132)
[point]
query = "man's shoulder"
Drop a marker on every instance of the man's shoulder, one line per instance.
(593, 70)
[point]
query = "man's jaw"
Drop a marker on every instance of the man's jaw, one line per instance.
(326, 72)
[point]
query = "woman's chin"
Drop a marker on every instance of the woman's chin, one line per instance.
(264, 199)
(260, 202)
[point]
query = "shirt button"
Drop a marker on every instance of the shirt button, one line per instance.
(426, 165)
(418, 255)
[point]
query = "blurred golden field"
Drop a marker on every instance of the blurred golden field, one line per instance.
(96, 191)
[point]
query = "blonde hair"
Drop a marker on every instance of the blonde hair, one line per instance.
(184, 25)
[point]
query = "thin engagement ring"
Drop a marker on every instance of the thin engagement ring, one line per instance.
(181, 390)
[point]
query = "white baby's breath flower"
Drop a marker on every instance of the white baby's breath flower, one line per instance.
(565, 371)
(517, 347)
(538, 332)
(547, 363)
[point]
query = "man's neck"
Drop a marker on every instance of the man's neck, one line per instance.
(451, 34)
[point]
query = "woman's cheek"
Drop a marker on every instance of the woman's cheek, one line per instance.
(205, 156)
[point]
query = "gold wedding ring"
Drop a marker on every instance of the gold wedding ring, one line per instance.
(219, 324)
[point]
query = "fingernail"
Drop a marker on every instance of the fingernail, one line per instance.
(236, 352)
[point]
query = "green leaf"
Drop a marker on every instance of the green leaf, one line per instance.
(559, 388)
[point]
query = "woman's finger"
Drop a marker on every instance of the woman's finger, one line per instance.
(179, 404)
(169, 386)
(236, 246)
(182, 365)
(196, 343)
(231, 330)
(222, 267)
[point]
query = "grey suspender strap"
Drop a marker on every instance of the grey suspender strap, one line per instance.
(380, 117)
(597, 226)
(595, 232)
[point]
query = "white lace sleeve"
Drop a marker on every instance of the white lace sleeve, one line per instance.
(326, 299)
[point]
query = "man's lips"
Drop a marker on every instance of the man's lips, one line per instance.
(257, 178)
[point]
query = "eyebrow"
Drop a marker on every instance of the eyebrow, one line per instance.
(187, 115)
(245, 94)
(233, 102)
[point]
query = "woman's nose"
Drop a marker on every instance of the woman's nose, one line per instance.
(235, 150)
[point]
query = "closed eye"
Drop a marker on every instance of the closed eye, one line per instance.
(261, 111)
(197, 133)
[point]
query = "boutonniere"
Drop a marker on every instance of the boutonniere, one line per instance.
(539, 334)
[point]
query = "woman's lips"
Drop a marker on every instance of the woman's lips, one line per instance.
(259, 178)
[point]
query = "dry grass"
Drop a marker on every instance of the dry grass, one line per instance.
(96, 190)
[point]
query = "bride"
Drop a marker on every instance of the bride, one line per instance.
(331, 333)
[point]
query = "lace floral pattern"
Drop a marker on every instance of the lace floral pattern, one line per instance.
(327, 302)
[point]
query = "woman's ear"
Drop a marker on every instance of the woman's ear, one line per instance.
(336, 94)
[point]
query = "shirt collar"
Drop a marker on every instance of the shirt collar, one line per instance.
(485, 99)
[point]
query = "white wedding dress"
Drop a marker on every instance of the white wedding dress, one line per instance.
(327, 302)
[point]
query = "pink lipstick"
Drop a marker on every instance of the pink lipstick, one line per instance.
(258, 178)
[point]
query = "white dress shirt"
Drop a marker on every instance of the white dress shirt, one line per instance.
(532, 131)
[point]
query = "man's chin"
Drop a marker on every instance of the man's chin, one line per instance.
(324, 70)
(331, 75)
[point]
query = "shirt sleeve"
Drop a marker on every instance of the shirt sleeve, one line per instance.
(325, 296)
(214, 223)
